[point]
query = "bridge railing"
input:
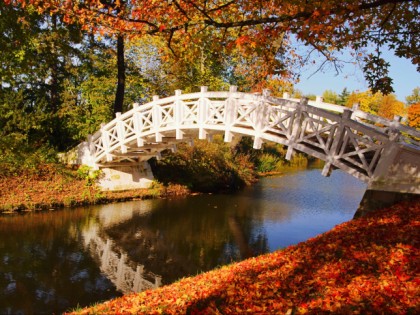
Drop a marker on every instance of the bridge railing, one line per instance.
(408, 134)
(334, 138)
(345, 138)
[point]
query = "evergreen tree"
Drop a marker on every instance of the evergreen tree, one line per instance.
(343, 97)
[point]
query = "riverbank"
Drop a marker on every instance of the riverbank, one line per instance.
(365, 266)
(53, 188)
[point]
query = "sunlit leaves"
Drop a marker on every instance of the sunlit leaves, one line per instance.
(254, 27)
(365, 266)
(386, 106)
(414, 97)
(413, 115)
(413, 111)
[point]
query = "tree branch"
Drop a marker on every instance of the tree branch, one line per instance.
(181, 9)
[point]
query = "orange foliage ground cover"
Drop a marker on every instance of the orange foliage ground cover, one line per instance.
(366, 266)
(52, 189)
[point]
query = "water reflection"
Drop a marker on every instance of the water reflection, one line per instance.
(184, 236)
(44, 268)
(126, 275)
(51, 262)
(117, 267)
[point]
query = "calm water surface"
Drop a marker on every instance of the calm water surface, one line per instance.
(55, 261)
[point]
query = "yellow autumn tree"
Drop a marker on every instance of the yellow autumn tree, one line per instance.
(390, 107)
(413, 111)
(368, 102)
(386, 106)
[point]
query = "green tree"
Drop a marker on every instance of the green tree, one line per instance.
(311, 97)
(39, 59)
(343, 97)
(414, 97)
(330, 97)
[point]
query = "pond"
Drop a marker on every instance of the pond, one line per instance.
(55, 261)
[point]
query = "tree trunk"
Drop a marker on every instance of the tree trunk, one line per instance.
(54, 83)
(119, 97)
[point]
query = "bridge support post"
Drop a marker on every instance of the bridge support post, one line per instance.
(127, 177)
(396, 178)
(378, 199)
(337, 142)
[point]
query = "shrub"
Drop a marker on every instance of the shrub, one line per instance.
(268, 163)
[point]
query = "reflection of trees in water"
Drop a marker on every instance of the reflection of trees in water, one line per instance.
(43, 267)
(183, 237)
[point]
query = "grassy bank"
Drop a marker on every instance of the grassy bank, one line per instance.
(366, 266)
(54, 186)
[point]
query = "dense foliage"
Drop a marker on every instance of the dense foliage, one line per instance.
(269, 32)
(386, 106)
(206, 167)
(366, 266)
(413, 112)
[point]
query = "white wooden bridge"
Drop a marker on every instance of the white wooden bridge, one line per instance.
(375, 150)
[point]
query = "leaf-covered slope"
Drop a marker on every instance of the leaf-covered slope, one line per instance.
(365, 266)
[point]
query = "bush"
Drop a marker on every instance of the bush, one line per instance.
(205, 167)
(268, 163)
(17, 157)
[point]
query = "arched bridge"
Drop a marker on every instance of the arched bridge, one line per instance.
(377, 151)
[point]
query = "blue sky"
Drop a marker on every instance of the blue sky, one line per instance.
(403, 72)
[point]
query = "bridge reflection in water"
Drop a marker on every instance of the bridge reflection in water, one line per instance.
(117, 266)
(138, 249)
(126, 275)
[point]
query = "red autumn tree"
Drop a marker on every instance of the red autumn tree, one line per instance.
(273, 31)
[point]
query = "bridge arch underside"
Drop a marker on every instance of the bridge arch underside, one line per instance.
(356, 161)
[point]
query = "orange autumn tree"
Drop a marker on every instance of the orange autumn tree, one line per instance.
(277, 34)
(413, 111)
(413, 115)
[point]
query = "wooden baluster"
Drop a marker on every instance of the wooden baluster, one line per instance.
(179, 115)
(202, 114)
(121, 132)
(157, 119)
(231, 111)
(337, 143)
(296, 126)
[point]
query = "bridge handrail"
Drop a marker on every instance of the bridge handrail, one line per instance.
(163, 115)
(379, 123)
(382, 124)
